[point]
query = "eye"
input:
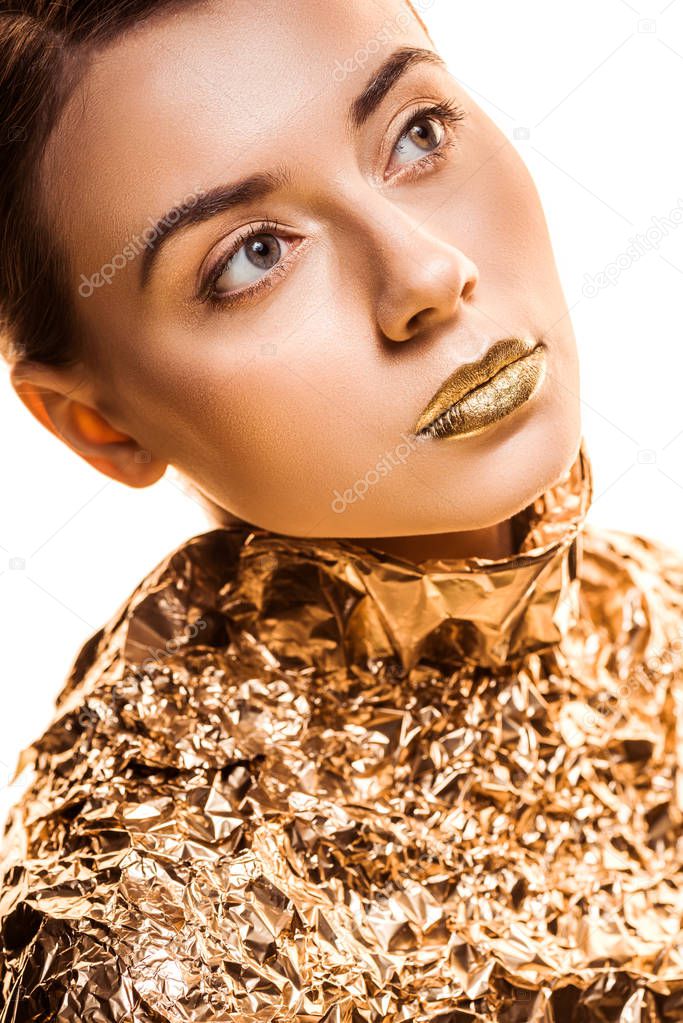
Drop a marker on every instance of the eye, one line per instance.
(427, 133)
(254, 260)
(251, 260)
(424, 135)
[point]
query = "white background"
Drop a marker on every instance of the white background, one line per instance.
(591, 96)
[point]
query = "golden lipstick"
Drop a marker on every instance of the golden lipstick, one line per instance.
(483, 392)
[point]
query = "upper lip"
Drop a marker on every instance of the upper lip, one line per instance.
(473, 374)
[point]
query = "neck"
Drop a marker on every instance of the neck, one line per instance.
(492, 542)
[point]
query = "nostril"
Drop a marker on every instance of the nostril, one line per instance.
(421, 319)
(467, 291)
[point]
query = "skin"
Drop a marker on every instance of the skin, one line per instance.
(398, 272)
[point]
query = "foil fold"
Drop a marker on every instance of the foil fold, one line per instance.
(296, 780)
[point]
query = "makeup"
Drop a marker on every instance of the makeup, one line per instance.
(480, 393)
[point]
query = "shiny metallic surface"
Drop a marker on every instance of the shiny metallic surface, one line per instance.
(296, 780)
(508, 390)
(472, 375)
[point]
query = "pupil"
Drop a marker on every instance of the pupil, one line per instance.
(422, 134)
(259, 252)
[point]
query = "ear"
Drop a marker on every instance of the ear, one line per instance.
(49, 392)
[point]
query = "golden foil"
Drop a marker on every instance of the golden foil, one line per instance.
(295, 780)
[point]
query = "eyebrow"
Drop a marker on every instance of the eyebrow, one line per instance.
(225, 197)
(385, 78)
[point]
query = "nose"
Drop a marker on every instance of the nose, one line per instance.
(422, 280)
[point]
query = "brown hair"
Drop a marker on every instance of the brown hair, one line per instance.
(44, 48)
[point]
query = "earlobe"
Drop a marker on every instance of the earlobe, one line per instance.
(83, 429)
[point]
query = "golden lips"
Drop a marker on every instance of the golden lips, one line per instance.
(483, 392)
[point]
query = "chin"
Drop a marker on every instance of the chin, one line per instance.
(500, 473)
(522, 466)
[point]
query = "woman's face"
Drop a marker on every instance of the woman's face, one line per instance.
(392, 247)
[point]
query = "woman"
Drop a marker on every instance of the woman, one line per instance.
(397, 740)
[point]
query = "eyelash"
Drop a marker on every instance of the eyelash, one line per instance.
(449, 113)
(208, 293)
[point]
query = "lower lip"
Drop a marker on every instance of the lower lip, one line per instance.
(509, 388)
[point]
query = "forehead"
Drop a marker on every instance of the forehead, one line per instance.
(185, 100)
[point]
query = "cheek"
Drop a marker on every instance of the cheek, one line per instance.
(279, 414)
(496, 214)
(289, 425)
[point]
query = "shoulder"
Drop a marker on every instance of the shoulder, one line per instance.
(174, 604)
(117, 796)
(653, 563)
(634, 583)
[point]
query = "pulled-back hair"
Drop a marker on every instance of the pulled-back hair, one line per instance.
(45, 48)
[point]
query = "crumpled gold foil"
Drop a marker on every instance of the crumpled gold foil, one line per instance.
(296, 780)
